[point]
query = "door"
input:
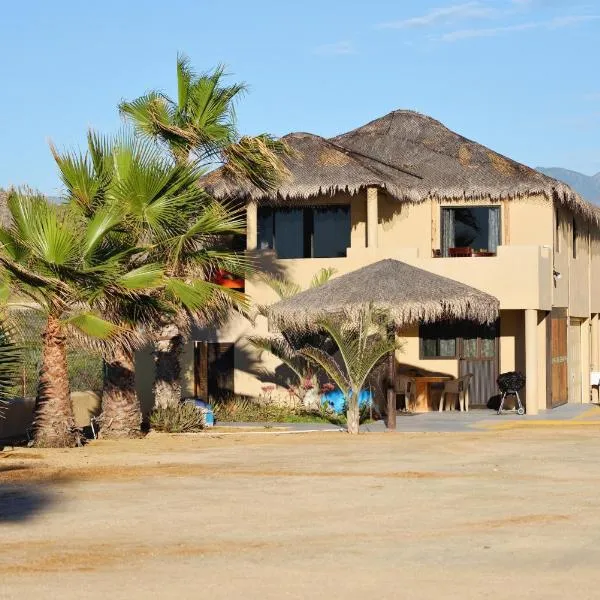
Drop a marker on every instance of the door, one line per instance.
(559, 363)
(479, 356)
(213, 369)
(575, 361)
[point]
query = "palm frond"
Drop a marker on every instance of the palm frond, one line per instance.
(322, 276)
(330, 366)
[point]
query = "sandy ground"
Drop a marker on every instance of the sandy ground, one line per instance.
(511, 513)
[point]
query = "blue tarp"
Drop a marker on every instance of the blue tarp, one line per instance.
(336, 401)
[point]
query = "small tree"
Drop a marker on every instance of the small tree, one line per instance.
(361, 345)
(285, 346)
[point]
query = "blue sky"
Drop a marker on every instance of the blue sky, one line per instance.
(517, 75)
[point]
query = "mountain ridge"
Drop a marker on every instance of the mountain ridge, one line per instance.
(587, 186)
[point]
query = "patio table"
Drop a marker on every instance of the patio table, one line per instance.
(423, 383)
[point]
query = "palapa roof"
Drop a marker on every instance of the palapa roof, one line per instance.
(408, 294)
(410, 155)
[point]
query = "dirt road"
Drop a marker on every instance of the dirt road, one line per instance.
(478, 515)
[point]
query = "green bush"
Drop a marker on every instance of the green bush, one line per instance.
(183, 418)
(237, 409)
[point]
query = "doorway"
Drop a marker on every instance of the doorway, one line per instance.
(213, 369)
(559, 388)
(479, 355)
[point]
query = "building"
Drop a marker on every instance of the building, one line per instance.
(406, 187)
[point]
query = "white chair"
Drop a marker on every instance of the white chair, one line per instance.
(407, 386)
(460, 387)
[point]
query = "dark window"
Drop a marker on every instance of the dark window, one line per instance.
(438, 340)
(454, 339)
(574, 238)
(470, 229)
(320, 232)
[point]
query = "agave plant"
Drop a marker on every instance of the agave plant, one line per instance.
(361, 345)
(199, 127)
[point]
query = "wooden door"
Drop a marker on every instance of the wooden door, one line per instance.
(479, 350)
(575, 361)
(213, 369)
(559, 352)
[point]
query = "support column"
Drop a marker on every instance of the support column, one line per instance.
(391, 390)
(372, 216)
(251, 225)
(595, 350)
(531, 362)
(585, 362)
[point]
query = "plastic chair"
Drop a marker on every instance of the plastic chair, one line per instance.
(460, 387)
(407, 386)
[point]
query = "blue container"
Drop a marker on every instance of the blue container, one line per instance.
(336, 401)
(207, 411)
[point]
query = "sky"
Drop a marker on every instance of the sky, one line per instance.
(519, 76)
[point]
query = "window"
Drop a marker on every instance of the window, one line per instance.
(320, 232)
(438, 340)
(458, 339)
(470, 230)
(574, 238)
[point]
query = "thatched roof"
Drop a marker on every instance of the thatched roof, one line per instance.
(384, 152)
(316, 166)
(408, 294)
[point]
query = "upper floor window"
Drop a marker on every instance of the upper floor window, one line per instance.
(319, 232)
(470, 231)
(575, 234)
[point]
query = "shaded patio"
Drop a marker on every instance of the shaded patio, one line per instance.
(406, 294)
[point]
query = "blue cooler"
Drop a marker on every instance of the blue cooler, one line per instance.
(207, 411)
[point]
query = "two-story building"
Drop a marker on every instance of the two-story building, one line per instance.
(406, 187)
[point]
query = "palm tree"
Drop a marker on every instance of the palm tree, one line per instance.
(285, 346)
(176, 226)
(199, 126)
(10, 360)
(61, 263)
(361, 345)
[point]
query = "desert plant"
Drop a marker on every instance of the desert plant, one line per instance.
(182, 418)
(361, 345)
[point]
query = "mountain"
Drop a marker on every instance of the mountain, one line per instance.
(585, 185)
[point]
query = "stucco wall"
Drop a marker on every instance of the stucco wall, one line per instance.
(520, 276)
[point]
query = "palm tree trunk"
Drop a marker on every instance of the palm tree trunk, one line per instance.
(121, 415)
(353, 413)
(168, 346)
(54, 420)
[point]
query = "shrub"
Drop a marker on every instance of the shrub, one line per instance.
(242, 409)
(183, 418)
